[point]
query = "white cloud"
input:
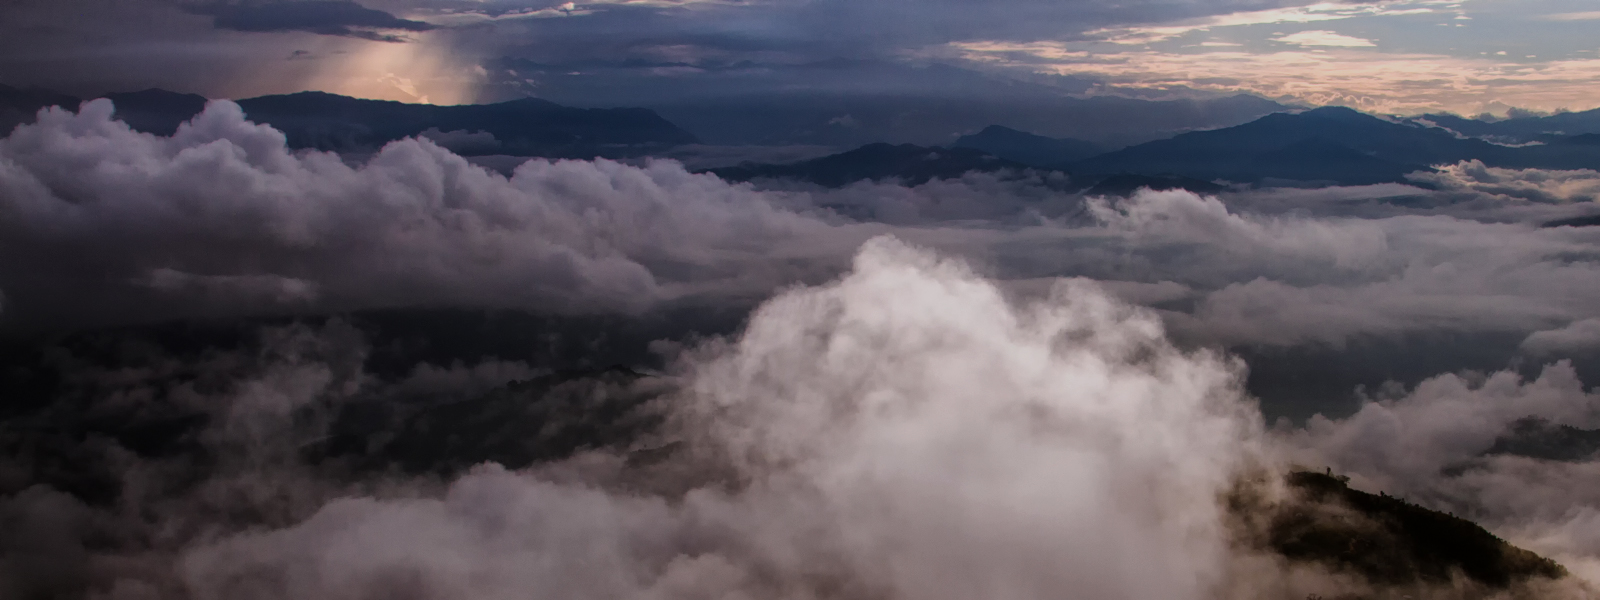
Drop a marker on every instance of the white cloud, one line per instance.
(1323, 38)
(1311, 13)
(1538, 185)
(1574, 16)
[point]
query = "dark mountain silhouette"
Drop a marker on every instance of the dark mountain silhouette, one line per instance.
(1388, 540)
(1539, 438)
(906, 163)
(1330, 145)
(527, 127)
(156, 111)
(18, 106)
(1520, 129)
(914, 165)
(1027, 148)
(845, 103)
(844, 120)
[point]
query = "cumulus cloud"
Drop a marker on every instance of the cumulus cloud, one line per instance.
(223, 208)
(902, 431)
(1537, 185)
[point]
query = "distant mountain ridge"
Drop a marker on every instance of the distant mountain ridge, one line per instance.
(526, 127)
(1027, 148)
(909, 164)
(842, 121)
(18, 106)
(1328, 145)
(1519, 129)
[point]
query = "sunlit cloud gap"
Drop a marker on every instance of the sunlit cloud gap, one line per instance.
(1384, 82)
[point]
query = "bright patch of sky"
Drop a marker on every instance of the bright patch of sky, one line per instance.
(1407, 56)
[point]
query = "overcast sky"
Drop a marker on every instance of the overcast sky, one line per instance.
(1403, 56)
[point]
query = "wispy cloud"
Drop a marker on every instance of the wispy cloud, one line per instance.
(1323, 38)
(1322, 11)
(1592, 15)
(1339, 74)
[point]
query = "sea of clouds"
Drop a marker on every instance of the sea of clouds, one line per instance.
(983, 387)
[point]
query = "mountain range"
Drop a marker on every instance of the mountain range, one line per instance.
(525, 127)
(1522, 129)
(1028, 148)
(1327, 146)
(909, 164)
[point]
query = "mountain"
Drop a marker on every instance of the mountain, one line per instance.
(845, 103)
(1027, 148)
(911, 164)
(525, 127)
(907, 163)
(1328, 145)
(1387, 540)
(18, 106)
(156, 111)
(844, 120)
(1519, 129)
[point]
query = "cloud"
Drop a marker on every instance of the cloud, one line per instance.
(1537, 185)
(902, 431)
(1323, 38)
(1309, 13)
(222, 220)
(223, 205)
(1387, 82)
(327, 17)
(892, 422)
(1573, 16)
(1576, 336)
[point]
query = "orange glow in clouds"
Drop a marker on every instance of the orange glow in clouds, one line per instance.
(1349, 76)
(416, 71)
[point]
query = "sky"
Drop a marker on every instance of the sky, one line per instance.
(1403, 56)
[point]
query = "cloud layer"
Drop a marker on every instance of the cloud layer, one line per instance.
(222, 220)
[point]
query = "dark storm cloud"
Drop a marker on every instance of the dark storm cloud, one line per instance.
(327, 17)
(93, 46)
(785, 32)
